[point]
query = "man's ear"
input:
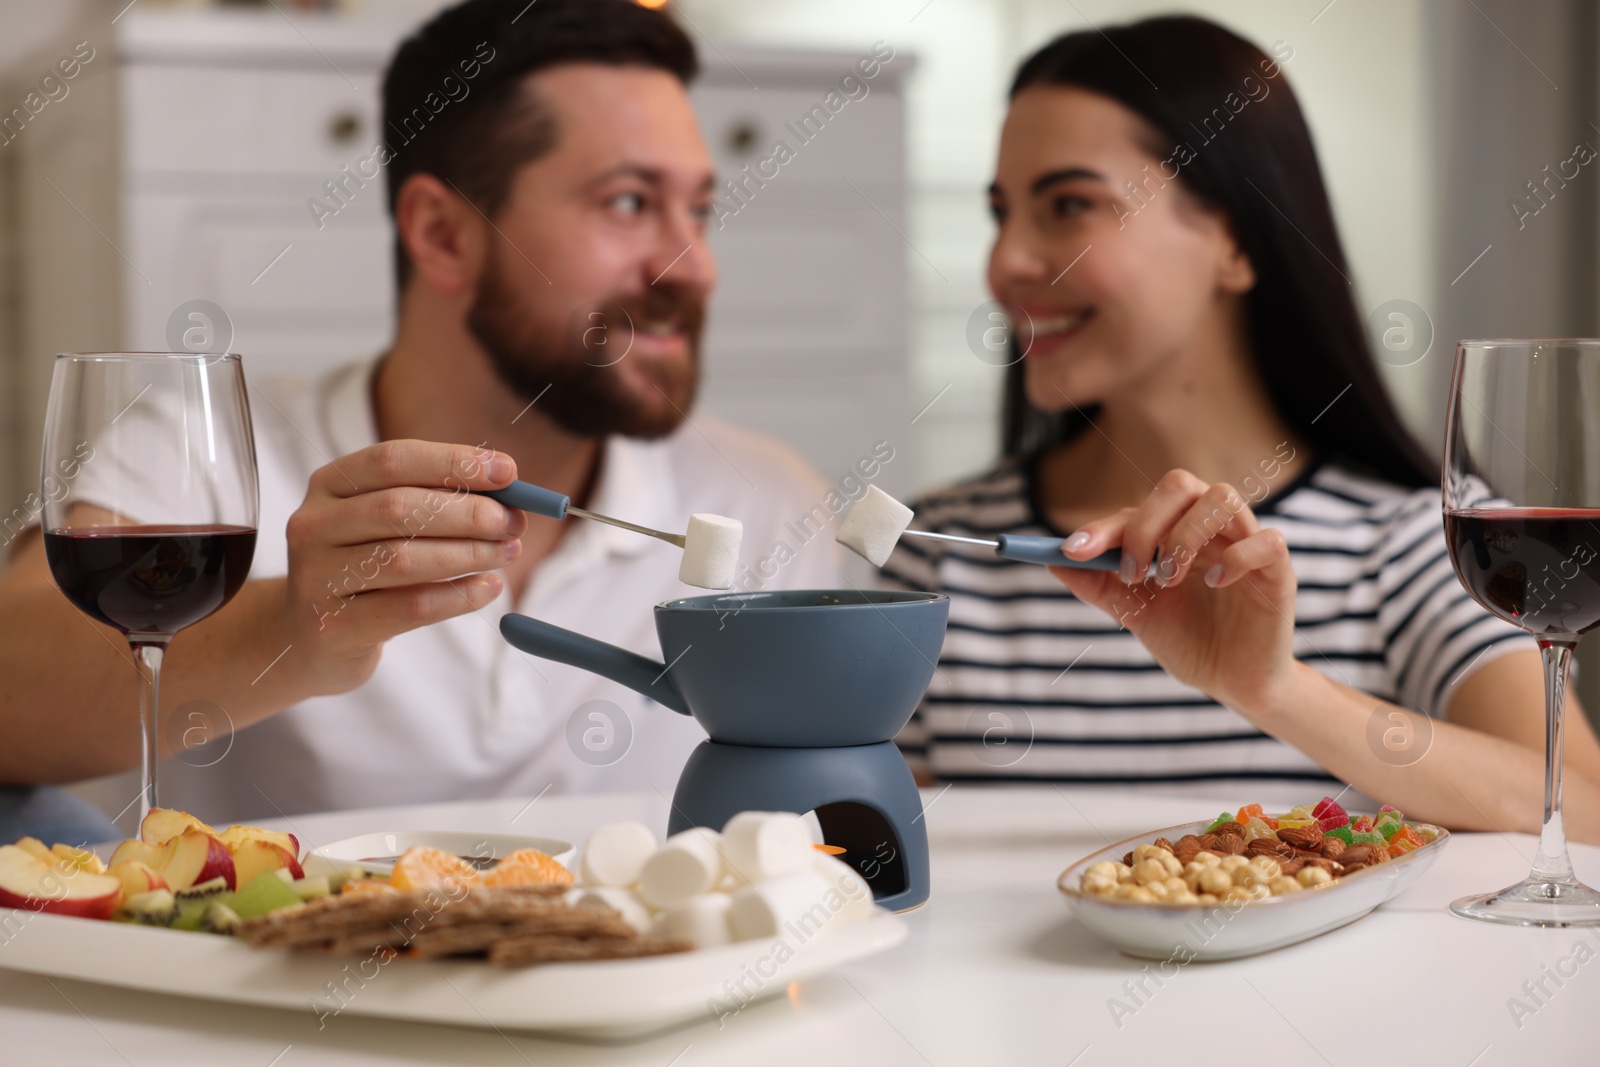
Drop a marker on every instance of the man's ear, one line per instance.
(444, 235)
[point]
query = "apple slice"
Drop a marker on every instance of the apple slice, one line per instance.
(192, 857)
(26, 881)
(164, 824)
(133, 850)
(37, 849)
(253, 857)
(136, 877)
(234, 836)
(81, 858)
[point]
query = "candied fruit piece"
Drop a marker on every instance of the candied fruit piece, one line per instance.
(1362, 824)
(1246, 813)
(1290, 823)
(1226, 816)
(1343, 833)
(1390, 809)
(1368, 837)
(1330, 822)
(1257, 828)
(1405, 840)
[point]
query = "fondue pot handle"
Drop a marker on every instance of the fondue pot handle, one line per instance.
(637, 672)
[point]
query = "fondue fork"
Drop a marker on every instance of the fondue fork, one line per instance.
(1023, 548)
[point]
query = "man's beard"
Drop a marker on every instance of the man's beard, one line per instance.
(581, 369)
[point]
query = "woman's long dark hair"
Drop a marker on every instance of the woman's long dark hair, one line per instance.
(1254, 162)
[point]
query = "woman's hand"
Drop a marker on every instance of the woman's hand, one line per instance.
(1217, 612)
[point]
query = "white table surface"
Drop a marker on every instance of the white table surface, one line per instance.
(994, 971)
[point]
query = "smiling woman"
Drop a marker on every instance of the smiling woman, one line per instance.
(1193, 330)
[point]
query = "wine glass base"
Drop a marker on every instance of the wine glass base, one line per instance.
(1534, 902)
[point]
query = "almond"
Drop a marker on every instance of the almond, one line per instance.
(1357, 854)
(1307, 837)
(1333, 847)
(1266, 846)
(1230, 827)
(1230, 844)
(1162, 842)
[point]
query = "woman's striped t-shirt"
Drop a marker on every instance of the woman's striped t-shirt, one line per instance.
(1036, 685)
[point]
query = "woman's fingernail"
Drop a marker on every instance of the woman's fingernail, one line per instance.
(512, 548)
(1076, 541)
(1214, 575)
(1127, 570)
(501, 468)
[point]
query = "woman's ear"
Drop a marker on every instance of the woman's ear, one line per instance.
(1235, 273)
(443, 234)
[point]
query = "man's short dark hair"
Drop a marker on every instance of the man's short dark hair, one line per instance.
(454, 100)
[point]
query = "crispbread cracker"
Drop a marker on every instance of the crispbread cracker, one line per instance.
(514, 924)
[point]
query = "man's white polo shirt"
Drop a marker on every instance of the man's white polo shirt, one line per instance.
(453, 711)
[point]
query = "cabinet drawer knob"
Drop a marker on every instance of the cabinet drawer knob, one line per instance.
(742, 136)
(344, 127)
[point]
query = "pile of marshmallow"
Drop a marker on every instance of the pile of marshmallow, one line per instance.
(761, 877)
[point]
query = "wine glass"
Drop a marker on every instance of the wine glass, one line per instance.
(1522, 516)
(150, 500)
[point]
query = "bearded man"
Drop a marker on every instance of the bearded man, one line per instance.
(550, 191)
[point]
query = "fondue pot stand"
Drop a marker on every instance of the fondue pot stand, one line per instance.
(800, 692)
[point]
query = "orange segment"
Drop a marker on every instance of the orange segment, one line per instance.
(526, 866)
(421, 867)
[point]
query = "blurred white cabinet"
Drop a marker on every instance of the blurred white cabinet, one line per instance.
(221, 126)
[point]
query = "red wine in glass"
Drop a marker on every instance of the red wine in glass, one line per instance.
(150, 579)
(1537, 568)
(151, 501)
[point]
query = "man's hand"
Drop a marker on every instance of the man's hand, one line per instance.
(389, 539)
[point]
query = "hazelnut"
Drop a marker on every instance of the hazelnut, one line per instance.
(1207, 899)
(1103, 868)
(1313, 876)
(1149, 871)
(1215, 881)
(1140, 895)
(1233, 863)
(1284, 886)
(1268, 867)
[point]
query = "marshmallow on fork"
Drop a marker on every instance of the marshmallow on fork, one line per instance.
(710, 547)
(879, 520)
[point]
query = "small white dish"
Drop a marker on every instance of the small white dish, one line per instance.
(376, 852)
(1228, 931)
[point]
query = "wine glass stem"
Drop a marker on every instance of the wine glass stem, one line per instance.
(1551, 863)
(148, 655)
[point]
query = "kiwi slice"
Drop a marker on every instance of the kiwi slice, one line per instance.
(218, 918)
(158, 907)
(214, 887)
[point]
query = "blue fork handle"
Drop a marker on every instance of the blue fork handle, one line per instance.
(1047, 550)
(525, 496)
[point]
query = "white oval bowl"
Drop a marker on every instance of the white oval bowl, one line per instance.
(1228, 931)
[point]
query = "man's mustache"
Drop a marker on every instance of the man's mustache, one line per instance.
(604, 329)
